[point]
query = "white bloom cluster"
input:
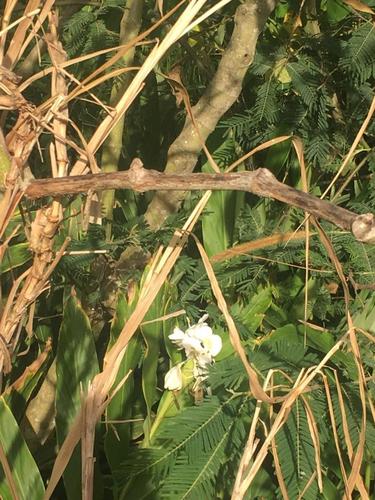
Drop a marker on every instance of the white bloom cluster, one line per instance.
(201, 345)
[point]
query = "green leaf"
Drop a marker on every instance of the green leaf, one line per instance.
(222, 209)
(152, 334)
(297, 309)
(286, 333)
(253, 312)
(19, 393)
(24, 471)
(195, 432)
(15, 256)
(76, 366)
(365, 318)
(336, 11)
(323, 342)
(4, 166)
(296, 454)
(172, 403)
(120, 409)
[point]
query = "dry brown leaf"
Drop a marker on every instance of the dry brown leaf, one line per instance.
(298, 146)
(64, 454)
(174, 78)
(159, 5)
(184, 23)
(252, 441)
(307, 486)
(250, 246)
(335, 435)
(314, 433)
(261, 147)
(360, 485)
(300, 386)
(255, 386)
(31, 369)
(11, 56)
(353, 147)
(354, 476)
(360, 6)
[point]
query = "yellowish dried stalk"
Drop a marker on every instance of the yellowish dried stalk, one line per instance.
(43, 229)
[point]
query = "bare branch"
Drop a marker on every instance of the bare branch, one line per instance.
(260, 182)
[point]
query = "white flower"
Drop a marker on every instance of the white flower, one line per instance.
(199, 331)
(177, 335)
(199, 342)
(212, 344)
(192, 346)
(173, 378)
(201, 345)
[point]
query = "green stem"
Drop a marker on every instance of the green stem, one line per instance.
(129, 29)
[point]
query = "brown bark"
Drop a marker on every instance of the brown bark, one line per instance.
(260, 182)
(220, 95)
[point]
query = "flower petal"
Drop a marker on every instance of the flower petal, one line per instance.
(192, 346)
(173, 378)
(203, 318)
(203, 361)
(213, 344)
(177, 336)
(199, 331)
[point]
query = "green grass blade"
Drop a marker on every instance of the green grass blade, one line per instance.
(24, 470)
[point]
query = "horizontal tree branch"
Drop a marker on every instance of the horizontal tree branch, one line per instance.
(260, 182)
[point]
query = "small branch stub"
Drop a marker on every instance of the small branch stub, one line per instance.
(363, 228)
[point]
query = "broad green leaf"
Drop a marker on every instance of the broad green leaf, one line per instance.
(253, 312)
(227, 348)
(365, 318)
(262, 486)
(19, 393)
(222, 209)
(25, 473)
(287, 333)
(174, 354)
(76, 366)
(336, 10)
(297, 309)
(128, 202)
(121, 408)
(15, 256)
(323, 342)
(152, 334)
(171, 403)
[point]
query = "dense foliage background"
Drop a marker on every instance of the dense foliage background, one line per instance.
(313, 78)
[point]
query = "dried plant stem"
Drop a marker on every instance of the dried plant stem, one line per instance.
(47, 219)
(302, 382)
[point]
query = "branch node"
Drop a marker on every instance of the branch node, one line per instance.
(136, 174)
